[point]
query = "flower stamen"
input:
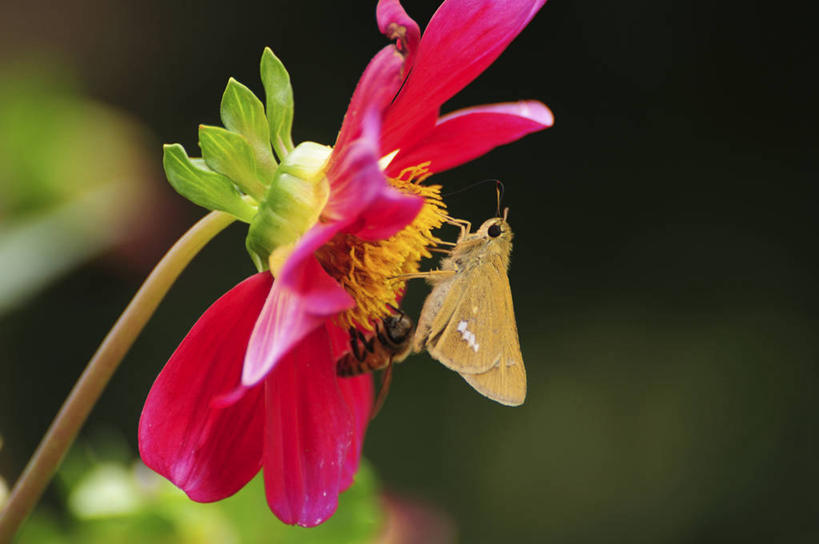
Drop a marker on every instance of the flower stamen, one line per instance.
(367, 269)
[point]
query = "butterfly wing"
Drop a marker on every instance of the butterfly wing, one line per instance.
(435, 314)
(470, 328)
(476, 335)
(506, 382)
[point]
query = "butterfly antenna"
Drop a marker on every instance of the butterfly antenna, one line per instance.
(472, 186)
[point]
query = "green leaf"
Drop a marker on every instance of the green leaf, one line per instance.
(279, 97)
(242, 112)
(229, 153)
(193, 180)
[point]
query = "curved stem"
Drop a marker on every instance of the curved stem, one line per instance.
(74, 411)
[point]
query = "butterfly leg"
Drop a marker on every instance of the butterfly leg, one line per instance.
(441, 274)
(462, 224)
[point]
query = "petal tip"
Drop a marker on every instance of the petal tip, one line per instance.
(538, 112)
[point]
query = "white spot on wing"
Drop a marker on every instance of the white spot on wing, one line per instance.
(468, 335)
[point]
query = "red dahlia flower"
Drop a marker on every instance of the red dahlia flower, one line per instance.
(253, 384)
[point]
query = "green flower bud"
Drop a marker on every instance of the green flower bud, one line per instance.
(291, 205)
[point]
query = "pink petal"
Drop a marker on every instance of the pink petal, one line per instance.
(469, 133)
(394, 23)
(462, 39)
(308, 433)
(358, 394)
(210, 453)
(388, 213)
(354, 173)
(318, 235)
(291, 312)
(375, 90)
(360, 196)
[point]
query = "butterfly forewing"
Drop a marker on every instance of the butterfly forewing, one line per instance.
(465, 335)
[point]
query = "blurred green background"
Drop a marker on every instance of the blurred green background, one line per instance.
(664, 267)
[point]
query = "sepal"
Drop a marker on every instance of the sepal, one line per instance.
(230, 154)
(279, 98)
(192, 179)
(242, 112)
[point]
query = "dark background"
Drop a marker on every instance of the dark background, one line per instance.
(663, 273)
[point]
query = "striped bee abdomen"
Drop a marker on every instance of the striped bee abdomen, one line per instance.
(390, 343)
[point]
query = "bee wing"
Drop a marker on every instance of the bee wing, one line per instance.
(468, 331)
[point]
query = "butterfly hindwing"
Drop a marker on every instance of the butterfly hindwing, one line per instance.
(505, 382)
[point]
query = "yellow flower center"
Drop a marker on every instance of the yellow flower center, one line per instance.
(368, 269)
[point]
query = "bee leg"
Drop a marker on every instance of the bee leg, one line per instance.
(368, 344)
(355, 339)
(386, 380)
(382, 338)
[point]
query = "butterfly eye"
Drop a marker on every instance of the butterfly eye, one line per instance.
(494, 231)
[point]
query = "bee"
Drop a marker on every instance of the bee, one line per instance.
(391, 343)
(468, 321)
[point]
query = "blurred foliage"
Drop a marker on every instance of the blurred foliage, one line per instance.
(110, 498)
(56, 144)
(71, 177)
(4, 490)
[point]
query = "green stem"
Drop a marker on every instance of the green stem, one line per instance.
(74, 411)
